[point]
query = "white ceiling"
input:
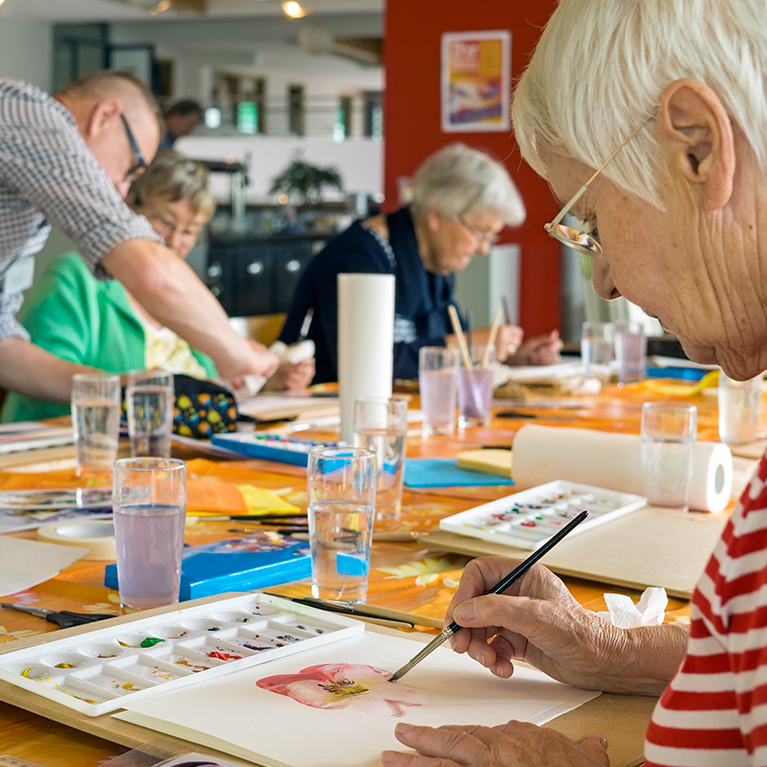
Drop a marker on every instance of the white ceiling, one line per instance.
(121, 10)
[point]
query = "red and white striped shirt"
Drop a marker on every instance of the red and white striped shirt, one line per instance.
(714, 712)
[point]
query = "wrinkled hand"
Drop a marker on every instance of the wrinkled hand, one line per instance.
(537, 620)
(516, 744)
(538, 350)
(508, 341)
(255, 359)
(293, 376)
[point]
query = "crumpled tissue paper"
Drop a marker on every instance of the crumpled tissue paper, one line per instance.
(648, 611)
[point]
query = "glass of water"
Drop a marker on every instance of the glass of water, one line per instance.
(437, 380)
(96, 421)
(381, 424)
(596, 347)
(630, 351)
(149, 502)
(740, 403)
(668, 441)
(149, 400)
(341, 483)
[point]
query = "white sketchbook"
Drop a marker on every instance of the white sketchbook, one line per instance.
(232, 714)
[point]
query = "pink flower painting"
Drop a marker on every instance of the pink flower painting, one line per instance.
(340, 685)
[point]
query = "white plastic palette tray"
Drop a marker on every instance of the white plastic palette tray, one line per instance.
(94, 673)
(529, 518)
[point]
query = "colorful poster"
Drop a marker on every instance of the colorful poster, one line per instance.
(476, 81)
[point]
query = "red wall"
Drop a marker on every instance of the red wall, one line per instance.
(412, 125)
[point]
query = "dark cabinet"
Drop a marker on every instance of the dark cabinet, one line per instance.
(257, 275)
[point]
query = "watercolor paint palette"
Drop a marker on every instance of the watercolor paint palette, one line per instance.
(531, 517)
(95, 672)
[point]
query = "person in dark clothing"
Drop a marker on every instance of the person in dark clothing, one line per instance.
(181, 118)
(462, 199)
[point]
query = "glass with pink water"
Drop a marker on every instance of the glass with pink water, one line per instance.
(149, 514)
(437, 378)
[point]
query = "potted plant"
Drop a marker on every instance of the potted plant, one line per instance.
(305, 183)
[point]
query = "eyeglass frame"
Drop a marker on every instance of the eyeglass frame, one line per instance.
(490, 238)
(140, 164)
(557, 230)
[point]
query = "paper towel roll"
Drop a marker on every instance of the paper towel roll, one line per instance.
(613, 461)
(365, 341)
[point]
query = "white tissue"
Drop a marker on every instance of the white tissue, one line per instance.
(648, 611)
(303, 350)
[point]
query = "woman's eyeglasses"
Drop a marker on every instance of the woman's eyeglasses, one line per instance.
(482, 238)
(577, 239)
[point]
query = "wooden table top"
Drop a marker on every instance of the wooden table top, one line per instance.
(404, 576)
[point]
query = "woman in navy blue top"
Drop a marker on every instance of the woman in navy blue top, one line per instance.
(462, 199)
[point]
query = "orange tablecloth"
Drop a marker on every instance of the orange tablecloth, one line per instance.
(403, 576)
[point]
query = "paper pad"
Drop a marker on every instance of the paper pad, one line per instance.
(24, 563)
(233, 715)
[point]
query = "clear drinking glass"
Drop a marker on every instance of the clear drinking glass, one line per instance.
(475, 388)
(96, 421)
(668, 441)
(341, 484)
(149, 400)
(381, 425)
(149, 502)
(740, 403)
(596, 347)
(437, 375)
(630, 351)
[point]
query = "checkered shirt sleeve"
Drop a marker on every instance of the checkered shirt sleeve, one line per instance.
(48, 174)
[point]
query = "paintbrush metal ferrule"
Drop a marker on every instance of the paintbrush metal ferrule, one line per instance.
(418, 657)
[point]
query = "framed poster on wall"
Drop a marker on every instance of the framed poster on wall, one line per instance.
(476, 81)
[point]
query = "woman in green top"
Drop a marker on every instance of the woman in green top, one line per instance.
(81, 319)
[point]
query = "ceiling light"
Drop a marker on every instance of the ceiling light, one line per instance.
(293, 9)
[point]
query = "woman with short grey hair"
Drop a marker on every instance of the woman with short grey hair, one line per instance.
(648, 118)
(462, 199)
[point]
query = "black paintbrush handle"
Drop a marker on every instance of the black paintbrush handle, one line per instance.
(523, 567)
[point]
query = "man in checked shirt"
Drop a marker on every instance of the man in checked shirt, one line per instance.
(69, 159)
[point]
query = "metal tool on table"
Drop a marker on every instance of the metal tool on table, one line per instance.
(64, 619)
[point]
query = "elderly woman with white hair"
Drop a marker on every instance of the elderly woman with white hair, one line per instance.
(648, 118)
(462, 199)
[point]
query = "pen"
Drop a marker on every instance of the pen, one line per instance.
(502, 585)
(306, 324)
(366, 611)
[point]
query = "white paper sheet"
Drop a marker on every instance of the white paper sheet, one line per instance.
(25, 563)
(233, 715)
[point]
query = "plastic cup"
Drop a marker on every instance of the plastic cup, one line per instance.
(149, 502)
(150, 400)
(341, 485)
(437, 374)
(596, 348)
(630, 351)
(740, 403)
(475, 390)
(96, 421)
(668, 441)
(381, 425)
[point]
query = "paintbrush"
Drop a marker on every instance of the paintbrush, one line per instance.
(491, 338)
(516, 573)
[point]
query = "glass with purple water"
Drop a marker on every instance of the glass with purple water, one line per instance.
(149, 500)
(437, 379)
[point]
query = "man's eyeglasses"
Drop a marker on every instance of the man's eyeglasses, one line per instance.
(577, 239)
(140, 165)
(490, 238)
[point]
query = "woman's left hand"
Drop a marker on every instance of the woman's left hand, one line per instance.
(292, 376)
(538, 350)
(515, 744)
